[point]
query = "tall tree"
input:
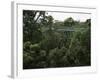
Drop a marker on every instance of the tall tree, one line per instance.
(31, 25)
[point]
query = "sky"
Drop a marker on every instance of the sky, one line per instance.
(76, 16)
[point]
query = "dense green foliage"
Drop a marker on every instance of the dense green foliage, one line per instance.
(50, 43)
